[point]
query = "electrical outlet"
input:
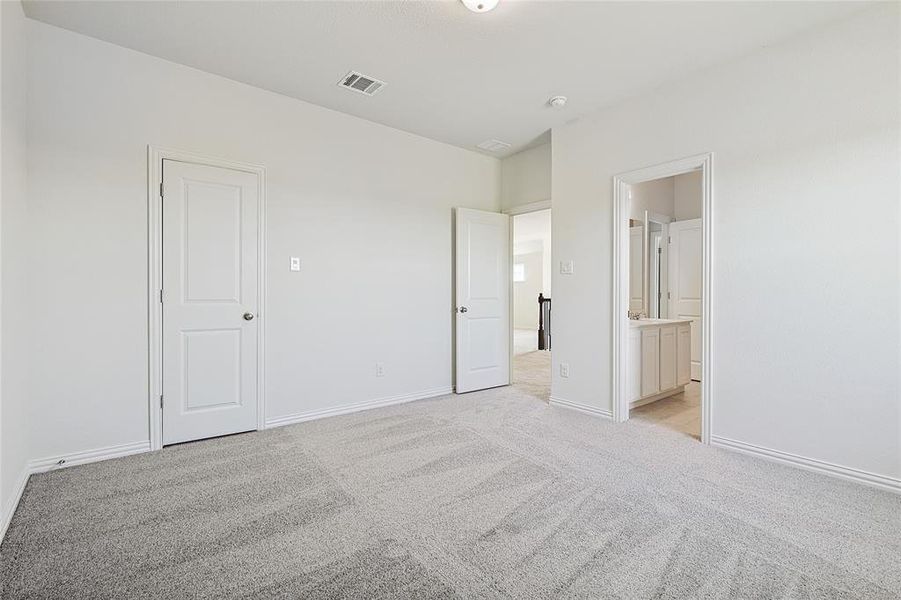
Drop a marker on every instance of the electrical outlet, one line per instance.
(564, 369)
(566, 267)
(379, 369)
(295, 263)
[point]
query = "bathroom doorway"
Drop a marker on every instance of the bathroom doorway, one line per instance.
(661, 314)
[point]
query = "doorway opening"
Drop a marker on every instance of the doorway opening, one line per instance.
(532, 309)
(661, 318)
(206, 305)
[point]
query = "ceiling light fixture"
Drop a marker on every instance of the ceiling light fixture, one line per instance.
(480, 6)
(557, 101)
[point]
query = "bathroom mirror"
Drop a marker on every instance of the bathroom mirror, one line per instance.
(656, 269)
(648, 266)
(636, 266)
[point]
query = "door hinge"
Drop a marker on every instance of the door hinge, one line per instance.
(669, 296)
(659, 250)
(161, 401)
(669, 239)
(161, 189)
(161, 296)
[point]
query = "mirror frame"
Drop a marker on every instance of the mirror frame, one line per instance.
(649, 218)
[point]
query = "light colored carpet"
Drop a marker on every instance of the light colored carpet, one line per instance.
(489, 494)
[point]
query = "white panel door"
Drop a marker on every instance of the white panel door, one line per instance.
(685, 280)
(210, 295)
(483, 281)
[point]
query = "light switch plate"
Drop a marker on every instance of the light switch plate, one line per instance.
(564, 369)
(566, 267)
(295, 263)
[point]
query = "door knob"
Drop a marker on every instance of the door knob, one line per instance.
(248, 316)
(463, 309)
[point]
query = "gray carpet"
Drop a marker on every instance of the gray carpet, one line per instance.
(490, 494)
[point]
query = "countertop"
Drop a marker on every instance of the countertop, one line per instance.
(656, 322)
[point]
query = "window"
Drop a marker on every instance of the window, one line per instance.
(519, 272)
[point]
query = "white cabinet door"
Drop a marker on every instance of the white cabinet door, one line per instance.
(650, 361)
(683, 368)
(634, 380)
(667, 358)
(483, 300)
(685, 282)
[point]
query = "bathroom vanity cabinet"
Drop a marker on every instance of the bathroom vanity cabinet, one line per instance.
(659, 359)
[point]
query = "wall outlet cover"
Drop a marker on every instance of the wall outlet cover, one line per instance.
(566, 267)
(564, 369)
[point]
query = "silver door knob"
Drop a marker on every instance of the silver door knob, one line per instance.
(248, 316)
(463, 309)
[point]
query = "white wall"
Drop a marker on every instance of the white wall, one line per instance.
(688, 195)
(677, 197)
(655, 196)
(13, 298)
(525, 293)
(806, 217)
(526, 177)
(366, 207)
(532, 233)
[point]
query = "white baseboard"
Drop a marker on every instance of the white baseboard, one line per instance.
(352, 408)
(13, 502)
(810, 464)
(59, 462)
(585, 408)
(88, 456)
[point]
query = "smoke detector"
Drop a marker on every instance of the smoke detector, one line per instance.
(557, 101)
(363, 84)
(493, 146)
(480, 6)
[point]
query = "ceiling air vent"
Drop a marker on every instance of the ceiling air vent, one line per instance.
(358, 82)
(493, 145)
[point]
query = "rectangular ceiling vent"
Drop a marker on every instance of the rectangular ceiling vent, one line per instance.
(493, 145)
(363, 84)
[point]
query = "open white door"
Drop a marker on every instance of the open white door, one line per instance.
(483, 300)
(210, 292)
(685, 280)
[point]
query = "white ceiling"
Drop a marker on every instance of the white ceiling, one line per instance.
(453, 75)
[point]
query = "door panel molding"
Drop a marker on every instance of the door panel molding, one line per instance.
(155, 157)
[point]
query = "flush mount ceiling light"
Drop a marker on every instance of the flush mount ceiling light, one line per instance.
(557, 101)
(479, 6)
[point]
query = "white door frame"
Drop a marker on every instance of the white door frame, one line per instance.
(704, 163)
(155, 157)
(523, 209)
